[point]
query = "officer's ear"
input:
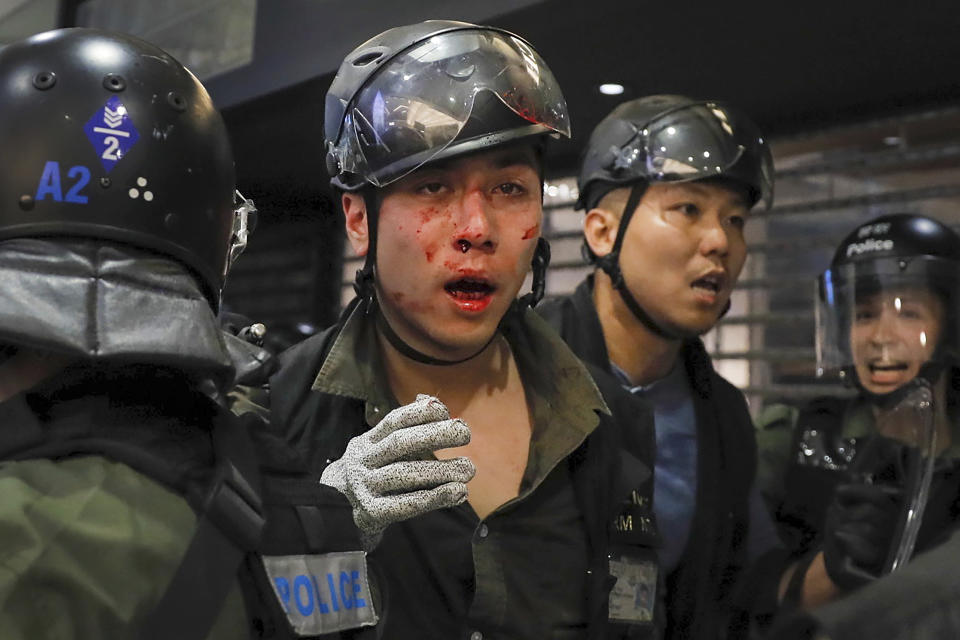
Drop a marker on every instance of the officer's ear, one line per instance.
(355, 221)
(600, 227)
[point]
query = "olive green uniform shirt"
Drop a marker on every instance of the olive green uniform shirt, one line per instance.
(87, 548)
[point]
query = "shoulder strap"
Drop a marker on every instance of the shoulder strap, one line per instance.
(228, 527)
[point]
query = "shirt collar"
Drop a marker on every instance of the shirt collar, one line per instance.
(566, 398)
(354, 368)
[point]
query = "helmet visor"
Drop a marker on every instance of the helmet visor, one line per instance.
(417, 104)
(885, 319)
(701, 141)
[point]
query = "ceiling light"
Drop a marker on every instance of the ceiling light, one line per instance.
(611, 89)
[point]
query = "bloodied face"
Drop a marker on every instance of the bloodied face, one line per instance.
(893, 333)
(455, 240)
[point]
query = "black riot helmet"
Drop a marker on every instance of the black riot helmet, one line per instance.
(421, 92)
(132, 150)
(668, 138)
(430, 91)
(897, 276)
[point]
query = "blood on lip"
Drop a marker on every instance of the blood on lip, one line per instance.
(470, 300)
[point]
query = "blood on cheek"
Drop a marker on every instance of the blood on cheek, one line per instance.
(426, 217)
(531, 232)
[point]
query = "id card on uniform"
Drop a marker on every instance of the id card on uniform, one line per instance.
(634, 596)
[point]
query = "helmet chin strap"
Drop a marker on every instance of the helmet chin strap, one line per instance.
(539, 265)
(416, 355)
(610, 264)
(363, 280)
(366, 290)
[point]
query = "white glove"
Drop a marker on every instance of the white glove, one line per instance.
(387, 474)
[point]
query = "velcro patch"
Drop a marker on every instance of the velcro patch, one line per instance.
(322, 593)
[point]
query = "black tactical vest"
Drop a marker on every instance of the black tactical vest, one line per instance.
(262, 519)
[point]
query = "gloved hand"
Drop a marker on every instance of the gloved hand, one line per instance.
(859, 529)
(387, 473)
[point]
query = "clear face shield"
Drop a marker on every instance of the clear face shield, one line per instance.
(883, 320)
(701, 141)
(418, 103)
(885, 324)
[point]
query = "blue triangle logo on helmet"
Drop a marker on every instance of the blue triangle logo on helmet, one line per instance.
(111, 132)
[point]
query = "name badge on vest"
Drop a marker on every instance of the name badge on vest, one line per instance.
(322, 593)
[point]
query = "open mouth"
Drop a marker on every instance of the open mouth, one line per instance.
(887, 368)
(469, 289)
(886, 374)
(712, 283)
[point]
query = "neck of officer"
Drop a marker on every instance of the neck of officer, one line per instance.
(26, 369)
(640, 353)
(455, 385)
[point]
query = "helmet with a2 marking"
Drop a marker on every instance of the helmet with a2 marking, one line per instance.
(115, 140)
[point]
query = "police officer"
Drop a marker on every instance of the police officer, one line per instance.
(667, 183)
(857, 484)
(488, 502)
(131, 497)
